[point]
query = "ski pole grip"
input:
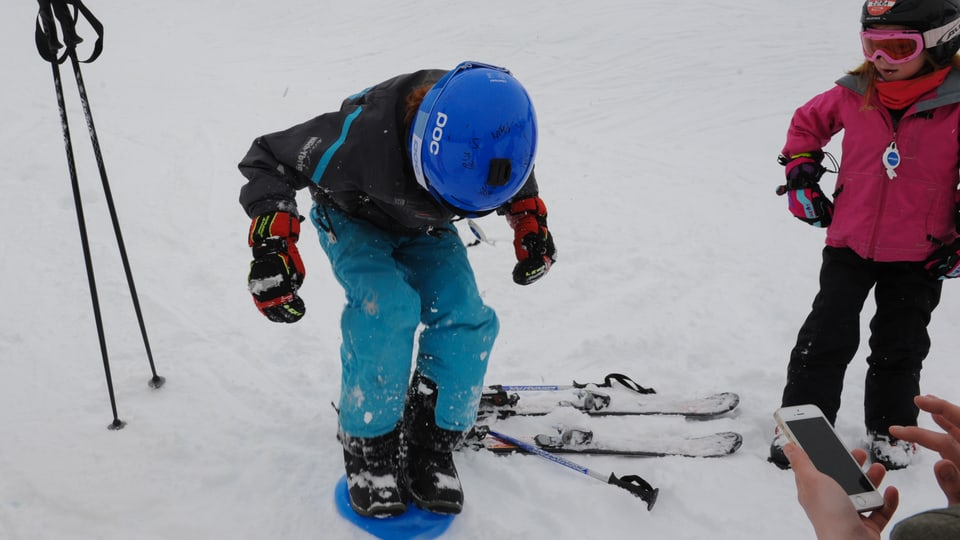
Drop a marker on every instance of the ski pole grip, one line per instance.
(638, 486)
(53, 12)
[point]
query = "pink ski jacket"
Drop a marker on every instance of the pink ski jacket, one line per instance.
(880, 218)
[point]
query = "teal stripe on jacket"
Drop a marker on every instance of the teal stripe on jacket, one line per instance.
(328, 155)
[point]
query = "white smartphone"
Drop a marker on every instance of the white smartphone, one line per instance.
(806, 426)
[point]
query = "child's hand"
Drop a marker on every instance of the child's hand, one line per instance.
(805, 199)
(810, 205)
(277, 270)
(944, 262)
(533, 242)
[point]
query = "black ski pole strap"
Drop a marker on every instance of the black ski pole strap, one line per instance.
(58, 11)
(623, 380)
(638, 486)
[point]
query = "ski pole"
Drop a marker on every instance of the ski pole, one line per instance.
(48, 46)
(608, 381)
(91, 279)
(156, 381)
(499, 395)
(632, 483)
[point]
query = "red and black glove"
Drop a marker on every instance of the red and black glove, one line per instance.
(277, 270)
(805, 199)
(532, 242)
(944, 263)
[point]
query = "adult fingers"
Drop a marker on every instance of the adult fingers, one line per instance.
(934, 405)
(799, 461)
(860, 455)
(875, 473)
(951, 428)
(880, 517)
(924, 437)
(948, 476)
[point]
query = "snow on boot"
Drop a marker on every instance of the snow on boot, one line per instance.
(777, 457)
(373, 470)
(429, 471)
(892, 453)
(432, 480)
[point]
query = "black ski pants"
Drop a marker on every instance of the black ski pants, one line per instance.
(905, 297)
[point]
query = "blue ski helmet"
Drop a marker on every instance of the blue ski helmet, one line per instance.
(474, 138)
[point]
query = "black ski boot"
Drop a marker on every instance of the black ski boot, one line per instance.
(429, 472)
(777, 457)
(373, 474)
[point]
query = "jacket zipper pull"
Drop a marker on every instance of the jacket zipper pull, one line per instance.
(891, 159)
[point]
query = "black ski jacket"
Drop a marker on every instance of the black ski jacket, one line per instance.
(356, 159)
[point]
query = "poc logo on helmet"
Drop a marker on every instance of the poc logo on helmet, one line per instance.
(437, 133)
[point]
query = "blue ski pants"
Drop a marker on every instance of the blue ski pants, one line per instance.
(395, 285)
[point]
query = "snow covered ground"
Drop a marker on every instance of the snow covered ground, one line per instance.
(660, 125)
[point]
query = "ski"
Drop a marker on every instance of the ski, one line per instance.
(617, 395)
(584, 441)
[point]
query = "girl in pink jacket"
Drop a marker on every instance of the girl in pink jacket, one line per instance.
(892, 225)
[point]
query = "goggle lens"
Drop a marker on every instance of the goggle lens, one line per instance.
(894, 47)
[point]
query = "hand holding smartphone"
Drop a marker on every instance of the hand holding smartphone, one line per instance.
(806, 426)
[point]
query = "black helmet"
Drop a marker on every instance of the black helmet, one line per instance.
(937, 20)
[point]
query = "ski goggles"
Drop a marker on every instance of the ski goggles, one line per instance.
(894, 46)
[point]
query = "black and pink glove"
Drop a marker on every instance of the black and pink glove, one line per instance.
(277, 271)
(944, 263)
(805, 199)
(532, 242)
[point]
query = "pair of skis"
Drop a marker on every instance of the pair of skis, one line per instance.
(618, 395)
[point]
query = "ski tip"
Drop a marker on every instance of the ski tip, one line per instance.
(414, 524)
(720, 405)
(723, 443)
(729, 399)
(735, 440)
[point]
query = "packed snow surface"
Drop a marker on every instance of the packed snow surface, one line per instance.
(660, 123)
